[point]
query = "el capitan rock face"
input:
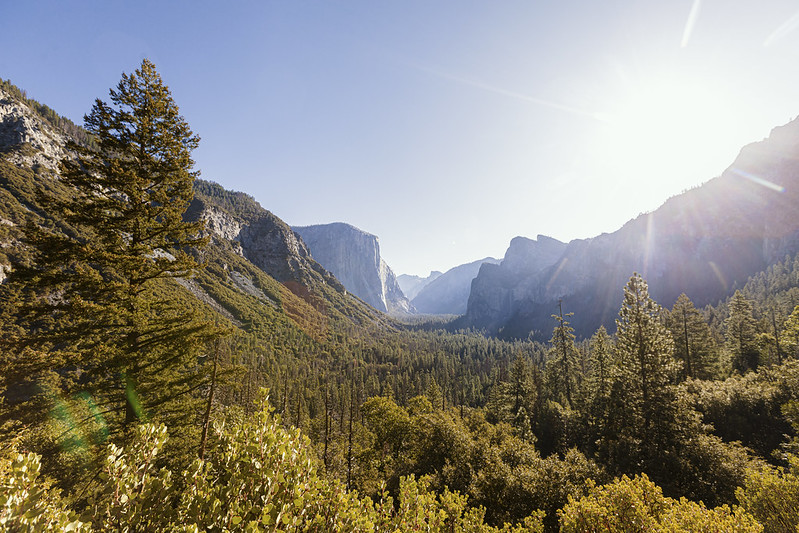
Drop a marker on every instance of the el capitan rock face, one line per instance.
(703, 242)
(353, 256)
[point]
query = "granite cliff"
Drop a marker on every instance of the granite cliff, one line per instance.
(353, 256)
(27, 138)
(256, 234)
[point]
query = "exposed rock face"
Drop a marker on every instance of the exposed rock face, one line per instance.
(19, 126)
(255, 233)
(353, 256)
(411, 285)
(271, 245)
(702, 242)
(499, 289)
(221, 224)
(448, 293)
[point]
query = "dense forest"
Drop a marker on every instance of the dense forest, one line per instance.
(153, 379)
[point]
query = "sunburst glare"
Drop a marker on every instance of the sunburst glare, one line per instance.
(667, 131)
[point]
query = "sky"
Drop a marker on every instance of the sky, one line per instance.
(446, 128)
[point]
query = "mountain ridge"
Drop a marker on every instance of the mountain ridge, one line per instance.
(703, 242)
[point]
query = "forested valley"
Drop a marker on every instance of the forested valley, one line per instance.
(153, 378)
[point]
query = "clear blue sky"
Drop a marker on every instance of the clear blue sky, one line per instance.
(445, 128)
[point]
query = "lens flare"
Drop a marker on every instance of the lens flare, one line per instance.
(716, 270)
(690, 23)
(557, 272)
(102, 428)
(133, 398)
(757, 179)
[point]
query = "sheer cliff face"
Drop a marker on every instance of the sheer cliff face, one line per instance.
(353, 256)
(498, 290)
(701, 242)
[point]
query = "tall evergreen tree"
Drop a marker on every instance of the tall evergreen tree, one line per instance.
(562, 367)
(693, 340)
(741, 334)
(645, 350)
(101, 303)
(598, 384)
(643, 417)
(514, 401)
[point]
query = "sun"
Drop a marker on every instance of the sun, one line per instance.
(669, 133)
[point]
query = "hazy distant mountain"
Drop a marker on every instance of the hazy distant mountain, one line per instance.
(353, 256)
(704, 242)
(411, 285)
(448, 293)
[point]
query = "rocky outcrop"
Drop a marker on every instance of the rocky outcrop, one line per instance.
(412, 285)
(448, 293)
(703, 242)
(353, 256)
(26, 138)
(271, 245)
(255, 233)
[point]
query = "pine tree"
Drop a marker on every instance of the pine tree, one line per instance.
(562, 367)
(101, 300)
(642, 421)
(599, 383)
(693, 340)
(741, 334)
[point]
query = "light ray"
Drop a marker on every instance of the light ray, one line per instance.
(758, 180)
(690, 23)
(648, 244)
(557, 272)
(785, 28)
(511, 94)
(719, 275)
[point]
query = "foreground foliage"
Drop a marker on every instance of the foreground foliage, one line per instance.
(259, 477)
(638, 505)
(263, 477)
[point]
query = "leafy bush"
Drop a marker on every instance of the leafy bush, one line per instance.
(638, 505)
